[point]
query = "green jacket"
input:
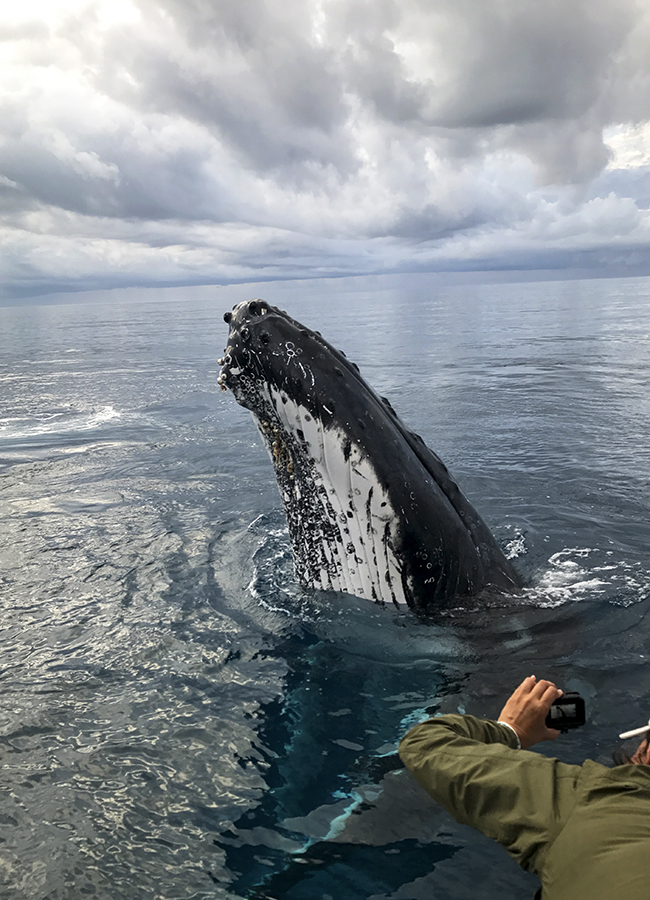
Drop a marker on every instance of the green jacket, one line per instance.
(585, 830)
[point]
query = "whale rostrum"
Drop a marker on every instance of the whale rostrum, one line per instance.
(370, 509)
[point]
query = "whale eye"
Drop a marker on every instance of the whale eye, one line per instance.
(227, 317)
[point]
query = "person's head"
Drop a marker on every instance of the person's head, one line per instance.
(641, 757)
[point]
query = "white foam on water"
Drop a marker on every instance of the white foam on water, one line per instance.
(586, 573)
(516, 546)
(69, 422)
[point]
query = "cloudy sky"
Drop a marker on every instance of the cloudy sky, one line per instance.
(180, 142)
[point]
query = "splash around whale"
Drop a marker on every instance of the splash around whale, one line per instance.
(371, 510)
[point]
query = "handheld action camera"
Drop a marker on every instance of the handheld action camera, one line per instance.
(568, 711)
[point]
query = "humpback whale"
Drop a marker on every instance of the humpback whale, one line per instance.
(371, 510)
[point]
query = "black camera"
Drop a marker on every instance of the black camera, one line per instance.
(568, 711)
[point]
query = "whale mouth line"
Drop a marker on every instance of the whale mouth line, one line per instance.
(370, 509)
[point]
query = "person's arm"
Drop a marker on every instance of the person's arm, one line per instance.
(471, 767)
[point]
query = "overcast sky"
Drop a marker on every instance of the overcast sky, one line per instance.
(179, 142)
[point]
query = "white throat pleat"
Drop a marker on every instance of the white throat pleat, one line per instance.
(363, 561)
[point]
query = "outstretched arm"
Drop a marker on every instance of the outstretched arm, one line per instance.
(471, 768)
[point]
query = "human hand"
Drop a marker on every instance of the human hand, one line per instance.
(527, 708)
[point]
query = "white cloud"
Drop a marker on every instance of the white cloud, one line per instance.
(629, 145)
(178, 141)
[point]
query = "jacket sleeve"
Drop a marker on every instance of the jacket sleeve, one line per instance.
(471, 767)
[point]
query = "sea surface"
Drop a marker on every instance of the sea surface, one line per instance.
(178, 719)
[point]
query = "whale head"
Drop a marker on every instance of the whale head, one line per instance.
(370, 509)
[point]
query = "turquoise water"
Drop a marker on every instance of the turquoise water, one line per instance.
(177, 718)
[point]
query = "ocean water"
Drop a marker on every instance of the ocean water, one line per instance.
(178, 719)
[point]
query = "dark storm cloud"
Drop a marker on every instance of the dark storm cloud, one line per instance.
(251, 77)
(128, 186)
(530, 76)
(196, 139)
(516, 63)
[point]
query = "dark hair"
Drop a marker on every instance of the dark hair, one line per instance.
(621, 757)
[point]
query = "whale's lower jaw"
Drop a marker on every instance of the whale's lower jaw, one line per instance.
(344, 532)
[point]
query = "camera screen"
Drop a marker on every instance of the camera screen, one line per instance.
(566, 710)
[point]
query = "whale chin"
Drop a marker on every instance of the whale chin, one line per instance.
(370, 509)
